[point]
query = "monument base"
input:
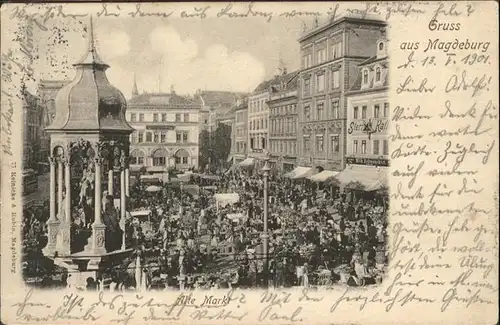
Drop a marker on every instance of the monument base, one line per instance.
(53, 229)
(63, 242)
(96, 244)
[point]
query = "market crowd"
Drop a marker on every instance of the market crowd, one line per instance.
(184, 236)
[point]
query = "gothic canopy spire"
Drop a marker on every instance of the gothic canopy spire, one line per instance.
(135, 90)
(91, 58)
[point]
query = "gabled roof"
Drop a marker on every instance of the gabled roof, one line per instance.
(277, 80)
(369, 64)
(160, 99)
(52, 84)
(372, 60)
(220, 98)
(263, 86)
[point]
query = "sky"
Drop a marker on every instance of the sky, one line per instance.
(183, 54)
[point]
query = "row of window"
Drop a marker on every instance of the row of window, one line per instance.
(321, 55)
(366, 75)
(283, 126)
(283, 147)
(159, 117)
(257, 106)
(283, 110)
(320, 143)
(320, 83)
(241, 147)
(258, 143)
(158, 161)
(258, 124)
(240, 132)
(376, 150)
(319, 113)
(240, 117)
(377, 111)
(158, 137)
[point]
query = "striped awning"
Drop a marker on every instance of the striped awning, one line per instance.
(323, 176)
(247, 162)
(363, 178)
(300, 172)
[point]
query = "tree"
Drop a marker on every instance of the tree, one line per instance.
(222, 142)
(204, 142)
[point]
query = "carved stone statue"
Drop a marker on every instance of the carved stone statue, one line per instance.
(116, 157)
(122, 159)
(86, 186)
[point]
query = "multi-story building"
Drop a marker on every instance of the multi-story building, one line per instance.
(166, 131)
(258, 119)
(283, 122)
(330, 56)
(239, 132)
(47, 91)
(33, 119)
(213, 104)
(367, 156)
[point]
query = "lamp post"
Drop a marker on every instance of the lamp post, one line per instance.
(181, 212)
(265, 235)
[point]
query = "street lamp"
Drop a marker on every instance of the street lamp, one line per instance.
(265, 235)
(181, 209)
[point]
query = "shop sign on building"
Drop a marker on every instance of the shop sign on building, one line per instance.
(367, 161)
(375, 126)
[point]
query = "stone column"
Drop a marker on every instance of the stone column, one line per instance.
(110, 182)
(67, 183)
(60, 181)
(98, 228)
(52, 193)
(127, 181)
(52, 223)
(123, 205)
(63, 246)
(98, 192)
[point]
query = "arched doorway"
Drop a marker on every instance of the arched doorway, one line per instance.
(137, 157)
(182, 159)
(160, 157)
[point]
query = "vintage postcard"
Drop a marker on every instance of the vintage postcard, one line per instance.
(249, 163)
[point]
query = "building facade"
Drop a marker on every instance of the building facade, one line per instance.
(239, 132)
(368, 113)
(258, 119)
(166, 132)
(214, 104)
(330, 56)
(283, 122)
(33, 121)
(47, 91)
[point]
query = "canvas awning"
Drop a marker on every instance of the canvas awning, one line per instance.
(226, 198)
(300, 172)
(296, 171)
(151, 169)
(140, 213)
(323, 176)
(184, 177)
(364, 178)
(247, 162)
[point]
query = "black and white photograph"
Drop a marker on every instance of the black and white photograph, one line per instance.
(157, 156)
(249, 162)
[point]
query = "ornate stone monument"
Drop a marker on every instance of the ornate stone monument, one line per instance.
(89, 149)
